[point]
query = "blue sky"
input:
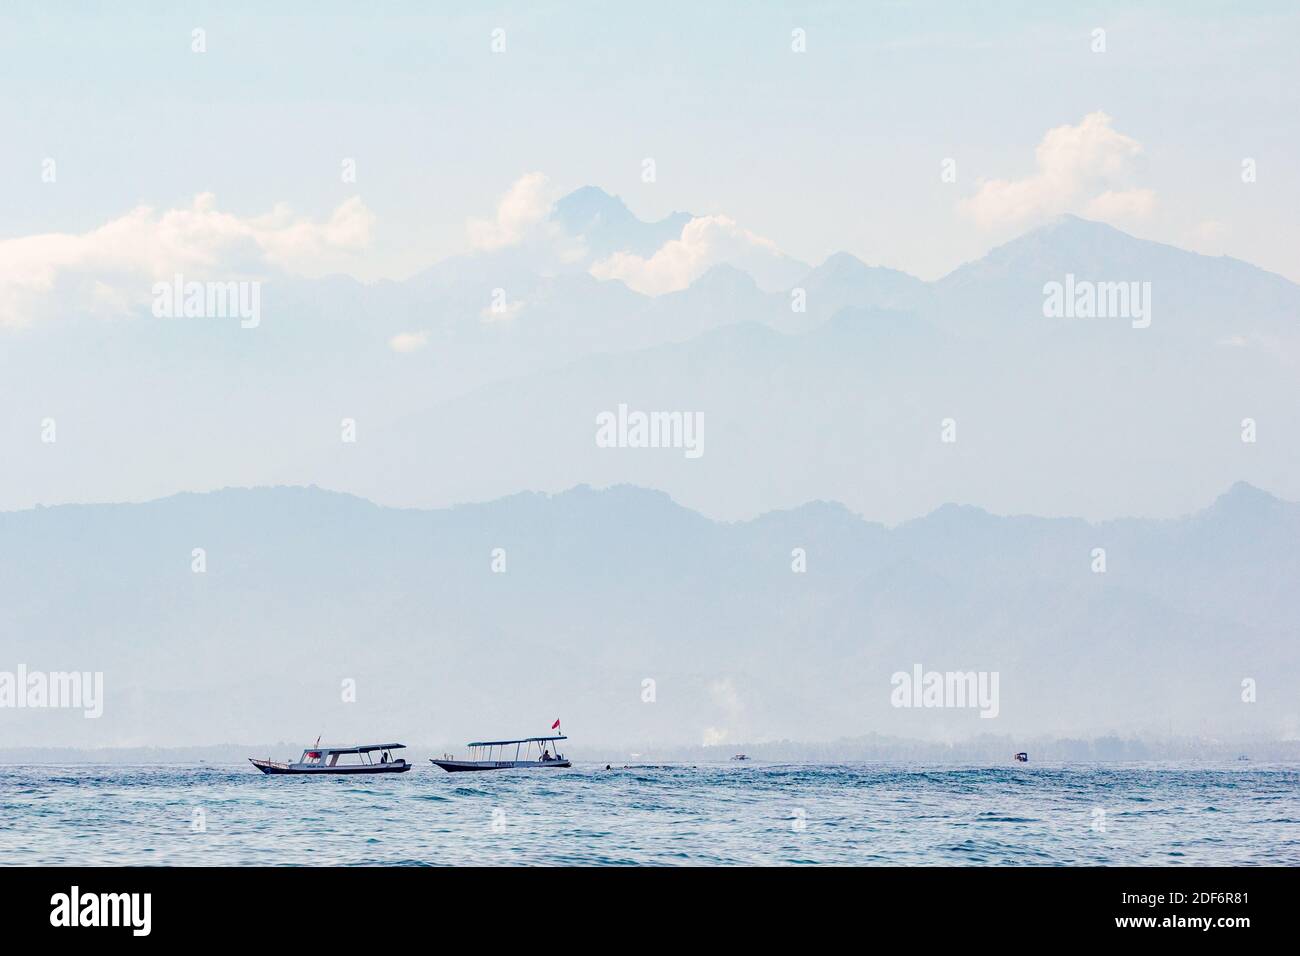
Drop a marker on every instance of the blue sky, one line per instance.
(836, 148)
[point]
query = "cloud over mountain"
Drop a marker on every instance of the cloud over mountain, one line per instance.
(705, 242)
(115, 264)
(841, 400)
(591, 230)
(1088, 168)
(523, 207)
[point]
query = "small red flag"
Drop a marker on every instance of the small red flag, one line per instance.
(556, 725)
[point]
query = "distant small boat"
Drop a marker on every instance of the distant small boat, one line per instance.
(740, 757)
(318, 759)
(1022, 757)
(481, 756)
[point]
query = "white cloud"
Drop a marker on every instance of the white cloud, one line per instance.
(297, 245)
(1088, 169)
(713, 736)
(726, 698)
(408, 341)
(524, 206)
(705, 242)
(724, 695)
(112, 267)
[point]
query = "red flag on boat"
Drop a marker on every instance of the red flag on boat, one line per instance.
(556, 725)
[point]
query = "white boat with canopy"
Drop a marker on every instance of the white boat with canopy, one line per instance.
(318, 759)
(507, 755)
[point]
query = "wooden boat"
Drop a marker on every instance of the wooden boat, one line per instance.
(482, 756)
(318, 759)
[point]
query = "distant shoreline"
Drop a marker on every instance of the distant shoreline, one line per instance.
(981, 751)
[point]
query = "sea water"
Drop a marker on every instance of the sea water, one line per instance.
(752, 813)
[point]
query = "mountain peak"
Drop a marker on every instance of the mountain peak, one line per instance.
(588, 206)
(843, 262)
(1066, 243)
(1066, 233)
(1243, 496)
(607, 225)
(1068, 225)
(844, 281)
(846, 267)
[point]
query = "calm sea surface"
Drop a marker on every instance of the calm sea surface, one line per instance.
(754, 813)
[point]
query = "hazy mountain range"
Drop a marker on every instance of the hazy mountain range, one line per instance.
(833, 381)
(458, 410)
(602, 590)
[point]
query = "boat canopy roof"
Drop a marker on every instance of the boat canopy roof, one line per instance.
(521, 740)
(358, 749)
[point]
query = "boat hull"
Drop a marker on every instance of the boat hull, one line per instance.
(271, 767)
(462, 766)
